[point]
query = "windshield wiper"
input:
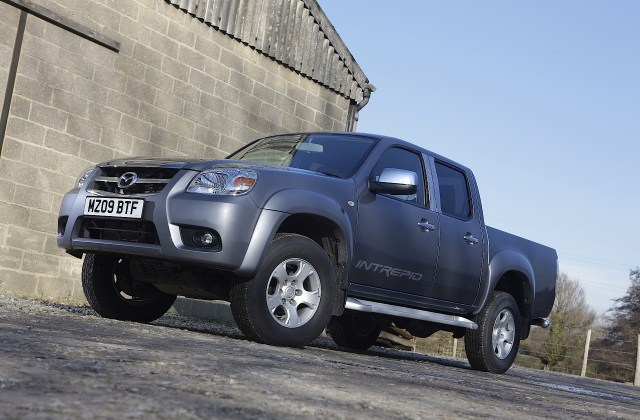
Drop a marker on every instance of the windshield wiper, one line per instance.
(328, 174)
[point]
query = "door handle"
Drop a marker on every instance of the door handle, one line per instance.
(426, 226)
(471, 240)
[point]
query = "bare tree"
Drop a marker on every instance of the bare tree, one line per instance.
(570, 307)
(617, 351)
(570, 315)
(625, 315)
(561, 346)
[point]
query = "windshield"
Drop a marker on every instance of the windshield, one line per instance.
(337, 155)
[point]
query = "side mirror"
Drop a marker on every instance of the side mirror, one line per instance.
(395, 182)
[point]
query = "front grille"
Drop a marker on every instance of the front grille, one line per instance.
(138, 231)
(149, 180)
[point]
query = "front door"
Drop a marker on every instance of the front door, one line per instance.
(397, 238)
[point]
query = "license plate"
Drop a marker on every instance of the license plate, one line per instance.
(113, 207)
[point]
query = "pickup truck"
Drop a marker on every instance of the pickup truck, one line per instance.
(305, 232)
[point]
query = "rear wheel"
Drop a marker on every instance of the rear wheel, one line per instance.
(354, 330)
(113, 293)
(494, 345)
(289, 301)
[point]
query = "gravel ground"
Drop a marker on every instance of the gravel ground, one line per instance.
(60, 361)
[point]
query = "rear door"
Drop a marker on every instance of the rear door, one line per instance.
(397, 238)
(461, 248)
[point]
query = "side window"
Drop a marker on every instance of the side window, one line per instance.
(454, 191)
(397, 158)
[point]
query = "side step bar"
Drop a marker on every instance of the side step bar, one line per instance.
(383, 308)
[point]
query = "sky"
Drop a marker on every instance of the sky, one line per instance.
(541, 99)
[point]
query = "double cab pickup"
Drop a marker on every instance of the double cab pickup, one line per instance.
(306, 232)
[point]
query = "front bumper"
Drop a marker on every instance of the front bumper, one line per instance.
(233, 218)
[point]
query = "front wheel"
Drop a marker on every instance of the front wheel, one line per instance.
(494, 345)
(289, 301)
(113, 293)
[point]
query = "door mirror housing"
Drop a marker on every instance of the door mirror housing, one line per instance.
(394, 181)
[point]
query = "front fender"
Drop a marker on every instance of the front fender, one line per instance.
(284, 204)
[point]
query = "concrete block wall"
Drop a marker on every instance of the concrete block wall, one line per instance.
(176, 87)
(8, 23)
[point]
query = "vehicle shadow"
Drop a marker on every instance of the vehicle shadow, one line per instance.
(396, 354)
(219, 328)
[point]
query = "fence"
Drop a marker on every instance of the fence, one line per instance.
(587, 353)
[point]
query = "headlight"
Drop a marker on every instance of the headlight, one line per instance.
(223, 182)
(86, 174)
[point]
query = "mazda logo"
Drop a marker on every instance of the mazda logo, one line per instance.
(127, 179)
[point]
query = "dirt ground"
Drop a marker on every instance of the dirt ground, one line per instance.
(65, 362)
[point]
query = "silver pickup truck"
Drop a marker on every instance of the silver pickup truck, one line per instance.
(306, 232)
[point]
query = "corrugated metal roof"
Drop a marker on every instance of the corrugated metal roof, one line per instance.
(295, 33)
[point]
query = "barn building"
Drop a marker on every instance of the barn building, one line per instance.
(84, 81)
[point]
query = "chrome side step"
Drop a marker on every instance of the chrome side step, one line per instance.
(385, 309)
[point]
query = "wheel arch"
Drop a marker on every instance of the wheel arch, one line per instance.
(516, 284)
(511, 272)
(310, 214)
(314, 215)
(325, 232)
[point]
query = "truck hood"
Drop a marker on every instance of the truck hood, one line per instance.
(146, 162)
(195, 164)
(211, 164)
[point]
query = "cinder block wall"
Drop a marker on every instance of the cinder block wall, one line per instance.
(176, 87)
(8, 23)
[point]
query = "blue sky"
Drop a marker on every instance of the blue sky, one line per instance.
(541, 99)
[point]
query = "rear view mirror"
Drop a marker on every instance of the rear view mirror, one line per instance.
(395, 182)
(310, 147)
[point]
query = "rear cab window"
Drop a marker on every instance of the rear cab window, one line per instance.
(455, 197)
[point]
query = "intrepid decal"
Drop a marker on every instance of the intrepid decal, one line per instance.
(388, 271)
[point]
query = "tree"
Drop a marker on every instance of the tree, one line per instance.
(561, 347)
(625, 315)
(570, 307)
(616, 352)
(570, 314)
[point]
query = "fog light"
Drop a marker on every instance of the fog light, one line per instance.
(204, 238)
(200, 237)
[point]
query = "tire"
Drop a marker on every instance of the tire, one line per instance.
(353, 330)
(113, 293)
(289, 301)
(494, 345)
